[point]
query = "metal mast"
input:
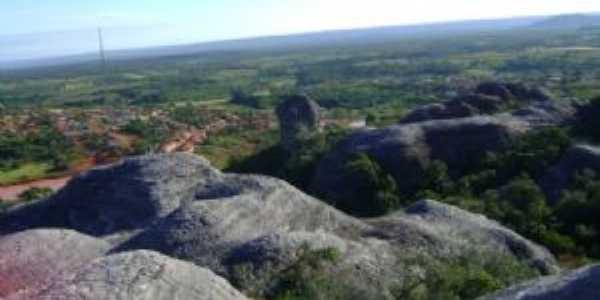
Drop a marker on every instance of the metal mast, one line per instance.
(101, 44)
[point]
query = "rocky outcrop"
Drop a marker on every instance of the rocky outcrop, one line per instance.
(455, 230)
(577, 159)
(228, 211)
(126, 196)
(248, 229)
(516, 91)
(549, 113)
(458, 132)
(495, 89)
(460, 107)
(492, 98)
(299, 117)
(582, 284)
(31, 261)
(405, 151)
(141, 275)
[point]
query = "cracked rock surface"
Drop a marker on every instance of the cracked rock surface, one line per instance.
(30, 261)
(142, 275)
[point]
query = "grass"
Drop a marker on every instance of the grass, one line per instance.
(221, 150)
(26, 172)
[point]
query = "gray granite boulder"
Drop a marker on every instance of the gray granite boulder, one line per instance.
(492, 98)
(549, 113)
(405, 151)
(460, 107)
(228, 211)
(582, 284)
(31, 261)
(141, 275)
(456, 230)
(126, 196)
(577, 159)
(516, 91)
(299, 118)
(227, 223)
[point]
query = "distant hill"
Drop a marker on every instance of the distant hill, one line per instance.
(326, 38)
(569, 21)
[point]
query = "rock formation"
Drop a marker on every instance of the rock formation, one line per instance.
(141, 275)
(492, 98)
(549, 113)
(458, 132)
(246, 228)
(405, 151)
(126, 196)
(426, 219)
(516, 91)
(32, 261)
(299, 118)
(460, 107)
(582, 284)
(577, 159)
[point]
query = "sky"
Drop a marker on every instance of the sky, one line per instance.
(38, 28)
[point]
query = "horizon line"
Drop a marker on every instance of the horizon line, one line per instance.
(259, 36)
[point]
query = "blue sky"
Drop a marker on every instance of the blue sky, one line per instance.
(36, 28)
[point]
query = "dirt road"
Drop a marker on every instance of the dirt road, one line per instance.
(12, 192)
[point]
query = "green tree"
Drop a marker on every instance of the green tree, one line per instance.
(578, 212)
(531, 154)
(377, 192)
(523, 206)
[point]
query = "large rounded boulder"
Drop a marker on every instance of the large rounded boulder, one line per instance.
(32, 261)
(406, 151)
(232, 210)
(443, 230)
(299, 117)
(492, 98)
(126, 196)
(141, 275)
(576, 160)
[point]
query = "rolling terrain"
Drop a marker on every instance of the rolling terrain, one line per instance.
(440, 161)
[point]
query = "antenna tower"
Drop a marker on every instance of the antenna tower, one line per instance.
(101, 44)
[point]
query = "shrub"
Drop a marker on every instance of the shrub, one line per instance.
(35, 193)
(523, 206)
(150, 133)
(436, 183)
(298, 167)
(558, 243)
(309, 278)
(532, 153)
(254, 100)
(578, 210)
(465, 277)
(44, 145)
(377, 192)
(187, 114)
